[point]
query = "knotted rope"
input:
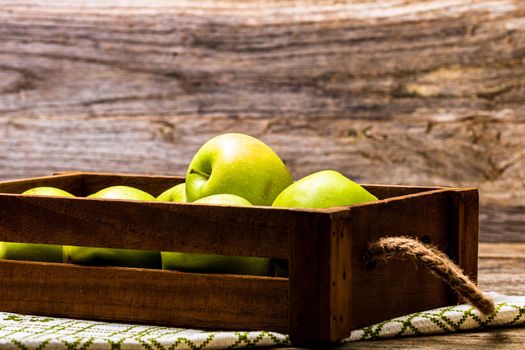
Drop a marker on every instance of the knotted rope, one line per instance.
(438, 263)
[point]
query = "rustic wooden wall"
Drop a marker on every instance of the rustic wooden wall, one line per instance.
(408, 92)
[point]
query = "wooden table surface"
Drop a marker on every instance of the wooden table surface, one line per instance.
(501, 269)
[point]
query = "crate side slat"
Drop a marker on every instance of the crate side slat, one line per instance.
(152, 184)
(71, 182)
(309, 280)
(464, 232)
(386, 191)
(398, 287)
(147, 225)
(144, 296)
(304, 318)
(342, 260)
(155, 184)
(340, 279)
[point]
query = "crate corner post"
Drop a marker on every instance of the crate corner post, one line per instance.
(315, 275)
(464, 233)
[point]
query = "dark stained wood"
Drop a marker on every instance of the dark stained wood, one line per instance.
(464, 231)
(383, 291)
(501, 269)
(154, 185)
(329, 291)
(85, 183)
(160, 226)
(141, 225)
(341, 294)
(144, 296)
(309, 281)
(68, 182)
(387, 191)
(146, 225)
(463, 228)
(410, 92)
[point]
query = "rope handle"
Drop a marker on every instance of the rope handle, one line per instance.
(440, 265)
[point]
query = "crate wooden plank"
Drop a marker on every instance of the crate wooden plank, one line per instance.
(309, 275)
(144, 296)
(90, 182)
(160, 226)
(399, 287)
(341, 261)
(464, 239)
(388, 191)
(153, 184)
(192, 228)
(501, 269)
(83, 183)
(329, 290)
(71, 182)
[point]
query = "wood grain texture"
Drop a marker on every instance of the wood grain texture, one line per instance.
(329, 290)
(501, 269)
(310, 277)
(150, 225)
(382, 291)
(259, 231)
(417, 92)
(154, 185)
(464, 232)
(341, 260)
(147, 225)
(144, 296)
(72, 183)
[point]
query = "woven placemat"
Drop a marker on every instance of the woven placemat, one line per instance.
(48, 333)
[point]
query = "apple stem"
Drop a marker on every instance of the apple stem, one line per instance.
(194, 171)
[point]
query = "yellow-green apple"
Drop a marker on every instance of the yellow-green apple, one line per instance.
(109, 256)
(324, 189)
(176, 193)
(30, 251)
(236, 164)
(211, 263)
(47, 191)
(224, 199)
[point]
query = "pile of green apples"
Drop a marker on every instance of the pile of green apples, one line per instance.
(231, 169)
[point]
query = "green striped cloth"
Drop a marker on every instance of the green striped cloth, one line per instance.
(48, 333)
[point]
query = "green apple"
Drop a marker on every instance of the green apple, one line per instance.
(224, 199)
(236, 164)
(176, 193)
(123, 192)
(47, 191)
(112, 257)
(109, 256)
(211, 263)
(30, 251)
(324, 189)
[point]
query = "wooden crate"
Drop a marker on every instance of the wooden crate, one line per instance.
(329, 290)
